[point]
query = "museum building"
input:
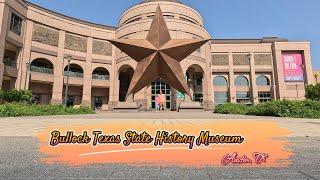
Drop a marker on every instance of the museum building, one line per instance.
(37, 44)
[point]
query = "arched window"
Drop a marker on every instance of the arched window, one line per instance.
(241, 81)
(100, 73)
(74, 71)
(220, 81)
(263, 81)
(41, 65)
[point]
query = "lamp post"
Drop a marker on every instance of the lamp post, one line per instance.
(27, 72)
(67, 84)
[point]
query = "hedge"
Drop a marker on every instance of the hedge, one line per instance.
(23, 109)
(284, 108)
(15, 96)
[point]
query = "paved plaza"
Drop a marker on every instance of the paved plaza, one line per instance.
(19, 155)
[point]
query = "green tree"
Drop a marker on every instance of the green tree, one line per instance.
(313, 92)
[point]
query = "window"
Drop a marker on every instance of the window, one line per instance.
(221, 97)
(168, 16)
(263, 81)
(264, 96)
(15, 24)
(199, 80)
(243, 97)
(187, 20)
(220, 81)
(98, 102)
(241, 81)
(198, 97)
(133, 20)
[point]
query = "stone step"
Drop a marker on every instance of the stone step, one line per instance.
(125, 107)
(190, 106)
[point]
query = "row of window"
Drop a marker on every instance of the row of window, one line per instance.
(166, 16)
(241, 97)
(241, 81)
(15, 24)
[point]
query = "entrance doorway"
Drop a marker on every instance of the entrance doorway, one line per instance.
(158, 86)
(195, 76)
(125, 76)
(97, 102)
(70, 101)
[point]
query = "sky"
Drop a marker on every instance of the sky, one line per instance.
(296, 20)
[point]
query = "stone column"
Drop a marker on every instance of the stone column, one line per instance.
(3, 32)
(309, 76)
(207, 82)
(113, 80)
(253, 88)
(279, 77)
(273, 79)
(87, 85)
(19, 60)
(232, 88)
(23, 73)
(192, 85)
(57, 88)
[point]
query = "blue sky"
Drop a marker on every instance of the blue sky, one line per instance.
(296, 20)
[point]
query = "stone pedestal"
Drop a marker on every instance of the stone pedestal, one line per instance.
(190, 106)
(208, 105)
(142, 104)
(125, 107)
(57, 90)
(111, 105)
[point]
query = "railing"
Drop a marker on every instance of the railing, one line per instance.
(73, 74)
(100, 77)
(41, 70)
(9, 62)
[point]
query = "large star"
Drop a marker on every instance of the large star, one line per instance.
(158, 56)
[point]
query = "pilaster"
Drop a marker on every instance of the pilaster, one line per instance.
(232, 88)
(58, 72)
(87, 81)
(253, 83)
(3, 32)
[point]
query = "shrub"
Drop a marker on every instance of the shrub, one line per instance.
(313, 92)
(230, 108)
(23, 109)
(1, 95)
(16, 96)
(284, 108)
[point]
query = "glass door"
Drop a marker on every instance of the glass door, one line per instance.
(158, 86)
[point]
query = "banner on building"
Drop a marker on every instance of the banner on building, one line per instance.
(292, 67)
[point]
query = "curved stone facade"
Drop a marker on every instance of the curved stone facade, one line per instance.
(35, 43)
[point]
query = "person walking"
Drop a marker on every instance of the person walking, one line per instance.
(157, 101)
(162, 100)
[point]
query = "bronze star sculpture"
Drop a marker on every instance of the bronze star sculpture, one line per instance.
(158, 56)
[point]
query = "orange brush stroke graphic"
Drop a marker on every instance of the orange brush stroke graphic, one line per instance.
(260, 136)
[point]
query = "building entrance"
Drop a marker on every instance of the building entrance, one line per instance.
(158, 86)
